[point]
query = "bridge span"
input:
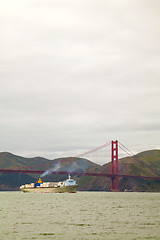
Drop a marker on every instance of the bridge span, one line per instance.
(79, 174)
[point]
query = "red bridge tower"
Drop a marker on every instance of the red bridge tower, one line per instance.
(114, 166)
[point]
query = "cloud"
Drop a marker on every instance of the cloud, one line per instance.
(76, 74)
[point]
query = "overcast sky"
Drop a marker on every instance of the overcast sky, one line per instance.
(75, 74)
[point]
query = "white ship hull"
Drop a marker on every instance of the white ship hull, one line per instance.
(70, 189)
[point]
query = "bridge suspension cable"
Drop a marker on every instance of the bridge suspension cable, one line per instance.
(77, 156)
(94, 150)
(125, 149)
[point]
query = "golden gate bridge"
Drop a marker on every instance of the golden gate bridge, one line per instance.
(114, 172)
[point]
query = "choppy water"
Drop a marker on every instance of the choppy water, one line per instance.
(84, 215)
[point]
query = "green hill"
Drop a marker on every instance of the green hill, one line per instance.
(143, 164)
(12, 181)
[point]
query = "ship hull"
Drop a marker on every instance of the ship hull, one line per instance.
(69, 189)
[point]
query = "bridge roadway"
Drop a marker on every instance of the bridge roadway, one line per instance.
(79, 173)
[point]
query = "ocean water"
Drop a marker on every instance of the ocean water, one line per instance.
(81, 215)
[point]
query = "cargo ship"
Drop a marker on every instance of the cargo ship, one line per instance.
(68, 185)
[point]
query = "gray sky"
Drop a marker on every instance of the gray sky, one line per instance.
(75, 74)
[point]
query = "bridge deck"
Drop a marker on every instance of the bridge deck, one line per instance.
(78, 173)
